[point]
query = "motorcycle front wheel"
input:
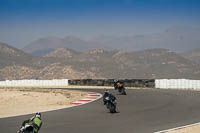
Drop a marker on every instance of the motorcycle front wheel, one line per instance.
(112, 109)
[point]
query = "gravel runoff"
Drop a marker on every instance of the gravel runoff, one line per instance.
(20, 101)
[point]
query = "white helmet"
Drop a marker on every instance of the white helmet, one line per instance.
(116, 80)
(38, 114)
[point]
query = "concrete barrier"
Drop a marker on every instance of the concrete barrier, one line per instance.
(32, 83)
(177, 84)
(143, 83)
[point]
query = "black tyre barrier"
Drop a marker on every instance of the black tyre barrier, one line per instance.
(149, 83)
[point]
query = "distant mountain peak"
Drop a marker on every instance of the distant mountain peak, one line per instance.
(42, 45)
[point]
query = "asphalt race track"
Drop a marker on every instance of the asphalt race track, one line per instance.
(141, 111)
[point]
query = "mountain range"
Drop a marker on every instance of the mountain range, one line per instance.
(177, 38)
(50, 43)
(98, 63)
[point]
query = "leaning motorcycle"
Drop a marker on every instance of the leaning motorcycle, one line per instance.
(111, 105)
(28, 128)
(121, 89)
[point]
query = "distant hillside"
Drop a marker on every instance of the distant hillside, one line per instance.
(98, 63)
(157, 63)
(45, 45)
(193, 55)
(12, 56)
(153, 63)
(62, 53)
(15, 64)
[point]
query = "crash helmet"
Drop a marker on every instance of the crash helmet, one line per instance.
(38, 114)
(106, 92)
(116, 80)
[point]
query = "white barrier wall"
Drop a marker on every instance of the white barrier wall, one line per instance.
(29, 83)
(177, 84)
(159, 83)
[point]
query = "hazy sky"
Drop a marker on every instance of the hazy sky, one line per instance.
(22, 21)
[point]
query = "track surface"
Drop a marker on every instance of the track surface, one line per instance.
(141, 111)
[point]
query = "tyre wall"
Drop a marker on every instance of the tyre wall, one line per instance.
(109, 82)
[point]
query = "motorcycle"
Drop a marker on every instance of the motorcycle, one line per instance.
(121, 89)
(28, 128)
(111, 104)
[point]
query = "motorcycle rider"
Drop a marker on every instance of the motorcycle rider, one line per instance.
(34, 121)
(109, 95)
(119, 85)
(115, 83)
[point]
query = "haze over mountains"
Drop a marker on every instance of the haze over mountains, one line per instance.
(71, 64)
(47, 44)
(193, 55)
(177, 38)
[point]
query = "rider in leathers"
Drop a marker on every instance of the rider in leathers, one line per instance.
(35, 121)
(107, 94)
